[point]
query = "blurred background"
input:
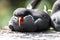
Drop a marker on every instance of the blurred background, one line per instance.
(8, 6)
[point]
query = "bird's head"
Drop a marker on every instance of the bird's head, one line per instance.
(20, 13)
(20, 20)
(56, 20)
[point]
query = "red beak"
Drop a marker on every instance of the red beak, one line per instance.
(20, 21)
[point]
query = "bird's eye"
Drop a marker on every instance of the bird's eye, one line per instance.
(54, 19)
(15, 17)
(43, 16)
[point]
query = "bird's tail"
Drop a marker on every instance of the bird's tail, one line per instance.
(33, 4)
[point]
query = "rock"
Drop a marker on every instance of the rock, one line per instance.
(7, 34)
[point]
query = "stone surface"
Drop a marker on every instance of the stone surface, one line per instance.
(6, 34)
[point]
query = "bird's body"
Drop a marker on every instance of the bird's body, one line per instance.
(33, 20)
(42, 20)
(30, 19)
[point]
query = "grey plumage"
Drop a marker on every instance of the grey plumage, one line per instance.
(28, 24)
(13, 24)
(35, 20)
(56, 6)
(55, 18)
(42, 20)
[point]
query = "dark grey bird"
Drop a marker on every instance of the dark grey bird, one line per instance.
(22, 20)
(55, 18)
(30, 20)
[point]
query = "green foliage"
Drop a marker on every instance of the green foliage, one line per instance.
(6, 11)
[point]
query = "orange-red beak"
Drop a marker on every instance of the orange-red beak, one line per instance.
(20, 20)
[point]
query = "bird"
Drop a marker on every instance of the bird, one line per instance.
(55, 17)
(22, 21)
(30, 19)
